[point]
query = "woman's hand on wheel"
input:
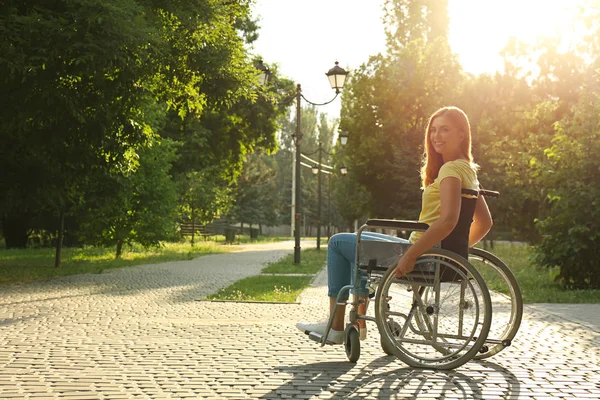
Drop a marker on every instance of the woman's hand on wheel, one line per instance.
(405, 265)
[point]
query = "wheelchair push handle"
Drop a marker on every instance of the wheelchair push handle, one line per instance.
(480, 192)
(489, 193)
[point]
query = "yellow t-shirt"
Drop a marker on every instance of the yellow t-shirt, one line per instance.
(430, 209)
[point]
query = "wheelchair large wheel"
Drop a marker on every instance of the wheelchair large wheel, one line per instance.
(507, 301)
(386, 346)
(443, 309)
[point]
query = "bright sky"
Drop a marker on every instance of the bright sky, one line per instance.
(306, 37)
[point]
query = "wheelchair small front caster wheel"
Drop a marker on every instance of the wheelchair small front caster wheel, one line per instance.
(352, 343)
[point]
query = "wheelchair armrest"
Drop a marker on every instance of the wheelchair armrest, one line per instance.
(398, 224)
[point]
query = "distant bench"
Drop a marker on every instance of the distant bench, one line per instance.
(190, 229)
(209, 230)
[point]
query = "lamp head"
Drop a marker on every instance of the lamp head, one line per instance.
(343, 137)
(337, 77)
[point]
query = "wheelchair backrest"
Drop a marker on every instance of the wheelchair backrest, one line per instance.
(458, 240)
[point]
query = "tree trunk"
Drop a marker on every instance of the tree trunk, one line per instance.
(119, 248)
(193, 227)
(59, 240)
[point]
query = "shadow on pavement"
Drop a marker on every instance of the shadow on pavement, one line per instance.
(512, 387)
(12, 321)
(380, 379)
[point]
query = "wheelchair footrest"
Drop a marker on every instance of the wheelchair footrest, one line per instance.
(317, 337)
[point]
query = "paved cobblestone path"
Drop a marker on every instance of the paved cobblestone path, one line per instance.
(141, 332)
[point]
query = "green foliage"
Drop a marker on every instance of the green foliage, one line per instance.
(321, 134)
(204, 196)
(385, 109)
(68, 108)
(571, 171)
(254, 200)
(215, 145)
(89, 84)
(535, 133)
(538, 284)
(138, 206)
(350, 198)
(264, 190)
(409, 20)
(278, 289)
(312, 261)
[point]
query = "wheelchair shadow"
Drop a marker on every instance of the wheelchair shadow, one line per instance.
(13, 321)
(380, 379)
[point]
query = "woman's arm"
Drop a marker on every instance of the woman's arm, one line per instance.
(482, 222)
(450, 201)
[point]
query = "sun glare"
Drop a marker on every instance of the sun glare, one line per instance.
(479, 28)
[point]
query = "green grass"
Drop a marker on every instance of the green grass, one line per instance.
(277, 289)
(26, 265)
(537, 284)
(311, 262)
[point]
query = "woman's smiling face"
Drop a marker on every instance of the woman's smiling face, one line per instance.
(445, 138)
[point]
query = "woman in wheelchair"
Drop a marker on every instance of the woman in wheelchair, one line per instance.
(447, 170)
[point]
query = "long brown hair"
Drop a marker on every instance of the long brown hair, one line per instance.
(432, 160)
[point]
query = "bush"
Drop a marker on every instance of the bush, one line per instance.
(570, 234)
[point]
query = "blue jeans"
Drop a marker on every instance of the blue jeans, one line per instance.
(341, 253)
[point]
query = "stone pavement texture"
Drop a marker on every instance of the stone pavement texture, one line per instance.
(140, 332)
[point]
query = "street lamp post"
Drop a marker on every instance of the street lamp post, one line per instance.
(337, 77)
(328, 207)
(298, 213)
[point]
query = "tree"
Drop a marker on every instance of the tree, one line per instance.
(89, 83)
(140, 206)
(351, 199)
(571, 171)
(254, 200)
(204, 196)
(387, 101)
(513, 116)
(410, 20)
(67, 107)
(320, 136)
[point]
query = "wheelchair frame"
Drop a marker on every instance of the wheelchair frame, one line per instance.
(421, 341)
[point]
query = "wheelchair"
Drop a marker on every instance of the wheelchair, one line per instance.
(440, 315)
